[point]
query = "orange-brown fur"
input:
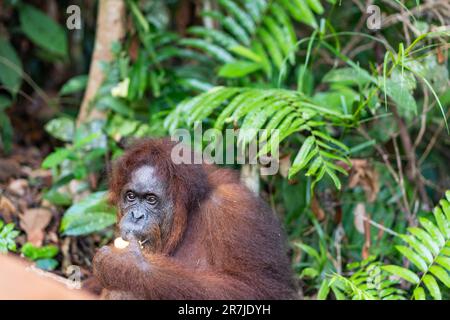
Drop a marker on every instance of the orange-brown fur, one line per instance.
(225, 243)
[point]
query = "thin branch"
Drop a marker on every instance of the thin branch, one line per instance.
(402, 183)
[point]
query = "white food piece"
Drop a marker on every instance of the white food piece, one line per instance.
(119, 243)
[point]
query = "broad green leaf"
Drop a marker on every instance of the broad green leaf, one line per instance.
(56, 158)
(400, 94)
(349, 76)
(7, 237)
(238, 69)
(57, 198)
(75, 84)
(62, 128)
(432, 287)
(10, 67)
(90, 215)
(88, 223)
(116, 104)
(43, 30)
(401, 272)
(35, 253)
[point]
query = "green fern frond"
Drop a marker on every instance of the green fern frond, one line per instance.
(265, 29)
(283, 110)
(368, 282)
(428, 251)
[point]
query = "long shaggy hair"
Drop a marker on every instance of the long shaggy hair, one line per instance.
(225, 242)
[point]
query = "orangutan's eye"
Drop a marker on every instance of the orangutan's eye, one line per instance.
(130, 196)
(151, 198)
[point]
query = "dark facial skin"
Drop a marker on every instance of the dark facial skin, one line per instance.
(146, 207)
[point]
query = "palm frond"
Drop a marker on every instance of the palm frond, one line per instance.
(257, 35)
(368, 282)
(428, 251)
(286, 111)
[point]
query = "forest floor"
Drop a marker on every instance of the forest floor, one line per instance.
(22, 188)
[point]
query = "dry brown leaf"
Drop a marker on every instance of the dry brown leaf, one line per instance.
(364, 175)
(18, 187)
(440, 55)
(33, 222)
(7, 209)
(317, 209)
(44, 176)
(9, 169)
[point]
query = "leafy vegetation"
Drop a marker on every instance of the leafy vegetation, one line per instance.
(427, 251)
(361, 116)
(43, 256)
(7, 236)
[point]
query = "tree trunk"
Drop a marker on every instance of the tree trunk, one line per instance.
(111, 27)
